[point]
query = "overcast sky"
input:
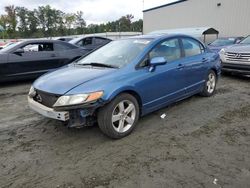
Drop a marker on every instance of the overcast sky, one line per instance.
(95, 11)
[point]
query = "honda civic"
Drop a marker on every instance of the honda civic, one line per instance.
(124, 80)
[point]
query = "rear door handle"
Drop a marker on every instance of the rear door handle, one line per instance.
(204, 59)
(53, 55)
(180, 66)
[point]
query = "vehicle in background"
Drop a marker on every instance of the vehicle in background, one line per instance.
(7, 44)
(126, 79)
(1, 45)
(65, 39)
(236, 59)
(90, 43)
(220, 43)
(31, 58)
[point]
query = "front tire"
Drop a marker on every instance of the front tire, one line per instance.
(210, 84)
(118, 118)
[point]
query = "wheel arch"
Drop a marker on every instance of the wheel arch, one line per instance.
(215, 71)
(130, 91)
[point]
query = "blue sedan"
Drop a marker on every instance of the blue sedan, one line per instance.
(124, 80)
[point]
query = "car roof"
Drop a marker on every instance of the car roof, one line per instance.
(161, 36)
(42, 40)
(75, 40)
(91, 36)
(32, 41)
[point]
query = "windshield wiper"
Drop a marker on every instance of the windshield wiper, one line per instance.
(99, 65)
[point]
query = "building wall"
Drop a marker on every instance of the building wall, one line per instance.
(232, 18)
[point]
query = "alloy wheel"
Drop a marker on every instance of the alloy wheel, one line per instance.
(123, 116)
(211, 82)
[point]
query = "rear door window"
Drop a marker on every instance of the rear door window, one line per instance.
(192, 47)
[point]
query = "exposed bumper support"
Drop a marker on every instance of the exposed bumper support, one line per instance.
(48, 112)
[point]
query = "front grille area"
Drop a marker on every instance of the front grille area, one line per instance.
(46, 99)
(238, 57)
(236, 67)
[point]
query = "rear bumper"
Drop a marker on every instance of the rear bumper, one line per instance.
(48, 112)
(236, 68)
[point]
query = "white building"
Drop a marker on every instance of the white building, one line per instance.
(229, 17)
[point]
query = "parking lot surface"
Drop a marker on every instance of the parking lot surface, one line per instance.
(202, 142)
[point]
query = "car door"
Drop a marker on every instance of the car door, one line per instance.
(37, 58)
(194, 64)
(166, 83)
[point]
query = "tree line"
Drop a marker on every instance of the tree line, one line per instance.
(45, 21)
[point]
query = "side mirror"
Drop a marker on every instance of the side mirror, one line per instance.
(158, 61)
(19, 51)
(155, 61)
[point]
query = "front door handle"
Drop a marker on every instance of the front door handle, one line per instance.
(180, 66)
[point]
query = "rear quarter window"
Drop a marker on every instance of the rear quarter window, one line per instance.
(100, 41)
(63, 47)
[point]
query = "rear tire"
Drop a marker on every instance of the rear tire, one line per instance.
(118, 118)
(210, 84)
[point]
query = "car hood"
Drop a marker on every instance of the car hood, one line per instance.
(216, 48)
(239, 48)
(69, 77)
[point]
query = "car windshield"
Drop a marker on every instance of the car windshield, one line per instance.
(116, 53)
(223, 42)
(7, 48)
(246, 40)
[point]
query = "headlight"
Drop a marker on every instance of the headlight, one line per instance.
(68, 100)
(222, 51)
(32, 92)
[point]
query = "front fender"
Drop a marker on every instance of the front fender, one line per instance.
(116, 91)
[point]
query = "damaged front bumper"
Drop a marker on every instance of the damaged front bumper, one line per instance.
(75, 116)
(48, 112)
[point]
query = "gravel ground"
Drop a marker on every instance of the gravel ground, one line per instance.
(202, 142)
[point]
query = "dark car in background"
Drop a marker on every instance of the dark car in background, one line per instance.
(90, 43)
(32, 58)
(220, 43)
(65, 39)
